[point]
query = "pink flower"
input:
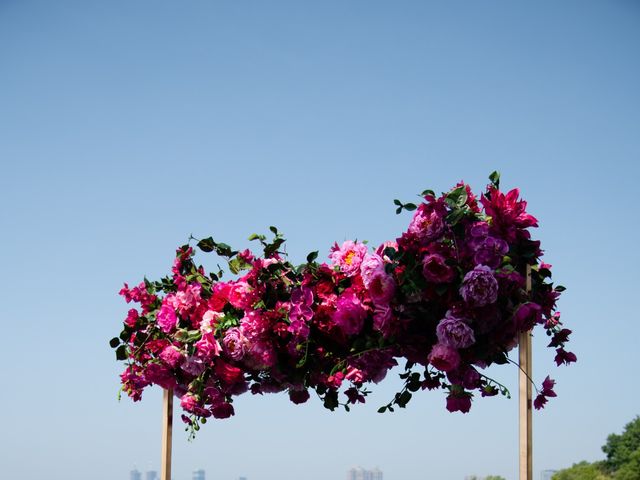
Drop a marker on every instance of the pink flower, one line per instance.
(444, 357)
(240, 295)
(167, 316)
(235, 343)
(348, 257)
(172, 356)
(208, 346)
(350, 313)
(222, 410)
(455, 332)
(371, 264)
(381, 287)
(426, 225)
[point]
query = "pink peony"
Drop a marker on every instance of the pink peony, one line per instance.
(455, 332)
(348, 257)
(208, 346)
(426, 225)
(235, 343)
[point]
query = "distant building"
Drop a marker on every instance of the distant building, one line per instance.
(198, 475)
(135, 475)
(242, 478)
(151, 475)
(547, 474)
(359, 473)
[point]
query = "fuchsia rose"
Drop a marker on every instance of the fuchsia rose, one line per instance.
(435, 269)
(235, 343)
(348, 257)
(208, 347)
(426, 225)
(160, 375)
(172, 356)
(444, 358)
(167, 316)
(479, 287)
(209, 320)
(240, 295)
(350, 313)
(455, 332)
(381, 287)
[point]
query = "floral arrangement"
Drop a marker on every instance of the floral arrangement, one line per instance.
(449, 296)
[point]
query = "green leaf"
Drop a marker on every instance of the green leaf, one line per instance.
(237, 264)
(494, 178)
(207, 245)
(398, 210)
(397, 202)
(224, 250)
(428, 192)
(274, 230)
(560, 288)
(403, 399)
(255, 236)
(312, 257)
(121, 352)
(410, 206)
(382, 409)
(114, 342)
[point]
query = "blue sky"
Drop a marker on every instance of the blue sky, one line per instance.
(127, 126)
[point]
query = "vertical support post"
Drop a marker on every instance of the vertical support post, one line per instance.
(525, 399)
(167, 431)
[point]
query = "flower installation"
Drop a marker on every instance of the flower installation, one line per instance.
(449, 297)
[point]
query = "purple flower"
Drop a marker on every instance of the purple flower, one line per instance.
(527, 315)
(479, 287)
(459, 403)
(436, 270)
(491, 251)
(455, 332)
(193, 366)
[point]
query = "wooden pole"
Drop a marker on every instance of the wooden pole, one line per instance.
(167, 430)
(525, 397)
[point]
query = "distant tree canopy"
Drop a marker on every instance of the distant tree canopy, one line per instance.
(622, 462)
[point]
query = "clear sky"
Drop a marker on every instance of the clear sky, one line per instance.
(125, 126)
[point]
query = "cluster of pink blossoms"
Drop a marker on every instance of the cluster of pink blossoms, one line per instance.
(448, 296)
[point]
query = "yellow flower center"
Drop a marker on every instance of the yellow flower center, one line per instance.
(349, 258)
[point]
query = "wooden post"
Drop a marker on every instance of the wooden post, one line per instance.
(525, 397)
(167, 430)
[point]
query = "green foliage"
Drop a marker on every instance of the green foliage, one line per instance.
(582, 471)
(494, 477)
(622, 462)
(620, 448)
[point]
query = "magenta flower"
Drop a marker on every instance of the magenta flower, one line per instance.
(444, 358)
(350, 313)
(436, 270)
(491, 251)
(167, 316)
(479, 287)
